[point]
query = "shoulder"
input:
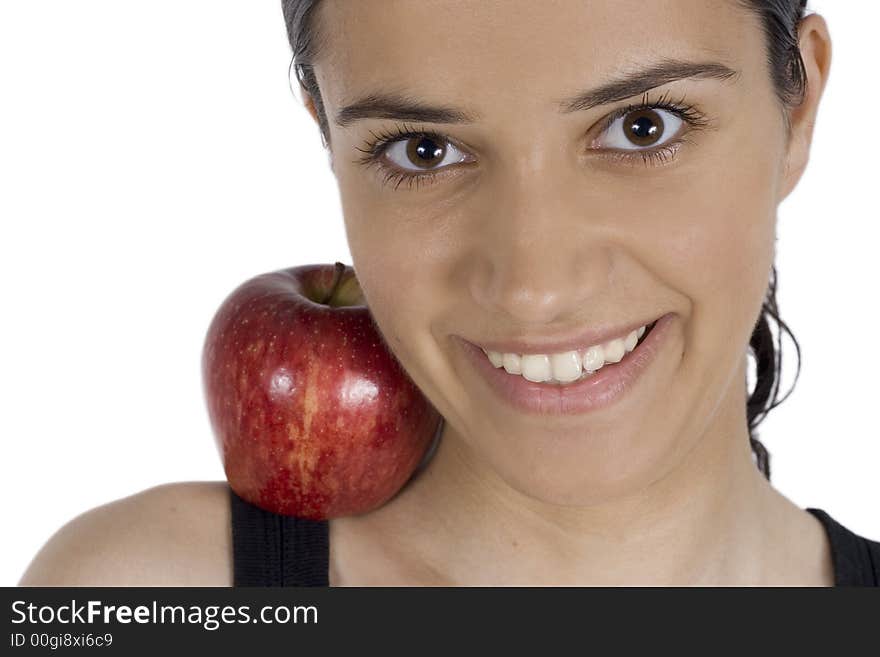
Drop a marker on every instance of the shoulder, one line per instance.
(176, 534)
(856, 557)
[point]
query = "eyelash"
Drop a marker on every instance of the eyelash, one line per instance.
(375, 148)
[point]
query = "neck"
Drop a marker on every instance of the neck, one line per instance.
(705, 522)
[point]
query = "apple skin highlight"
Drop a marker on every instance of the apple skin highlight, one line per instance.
(313, 415)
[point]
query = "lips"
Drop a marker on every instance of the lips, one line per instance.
(548, 345)
(598, 390)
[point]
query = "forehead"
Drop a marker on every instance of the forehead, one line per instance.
(517, 53)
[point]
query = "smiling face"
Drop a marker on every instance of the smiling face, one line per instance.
(547, 217)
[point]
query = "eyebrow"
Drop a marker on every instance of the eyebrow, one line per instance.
(401, 106)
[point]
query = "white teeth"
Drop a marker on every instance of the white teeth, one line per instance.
(614, 351)
(495, 357)
(536, 367)
(594, 358)
(511, 363)
(566, 366)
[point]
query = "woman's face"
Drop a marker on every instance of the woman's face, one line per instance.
(541, 222)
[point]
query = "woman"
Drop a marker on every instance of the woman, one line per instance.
(581, 198)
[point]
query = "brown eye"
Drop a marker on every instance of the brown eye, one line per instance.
(642, 129)
(424, 152)
(418, 153)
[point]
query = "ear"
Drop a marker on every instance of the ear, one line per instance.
(815, 46)
(309, 104)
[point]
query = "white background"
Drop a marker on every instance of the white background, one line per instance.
(152, 157)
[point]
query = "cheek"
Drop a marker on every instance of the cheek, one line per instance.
(390, 264)
(730, 247)
(399, 243)
(716, 248)
(721, 238)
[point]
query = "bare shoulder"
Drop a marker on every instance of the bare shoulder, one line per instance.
(176, 534)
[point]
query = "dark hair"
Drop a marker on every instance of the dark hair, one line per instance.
(780, 19)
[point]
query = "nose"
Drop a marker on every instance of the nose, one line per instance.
(542, 255)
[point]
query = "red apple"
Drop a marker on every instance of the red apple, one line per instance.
(313, 415)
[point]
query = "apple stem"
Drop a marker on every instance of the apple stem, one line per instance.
(337, 277)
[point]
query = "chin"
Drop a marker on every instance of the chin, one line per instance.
(585, 471)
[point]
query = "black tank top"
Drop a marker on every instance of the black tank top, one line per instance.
(274, 550)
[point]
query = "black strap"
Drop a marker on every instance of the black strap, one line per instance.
(270, 549)
(856, 559)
